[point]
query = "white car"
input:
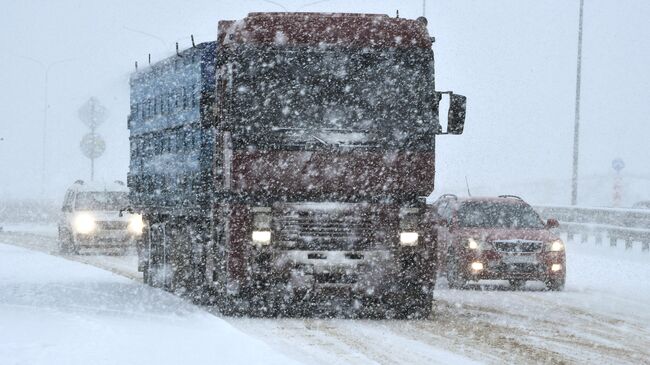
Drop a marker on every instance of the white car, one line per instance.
(93, 217)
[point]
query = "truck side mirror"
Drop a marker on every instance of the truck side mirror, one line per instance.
(456, 115)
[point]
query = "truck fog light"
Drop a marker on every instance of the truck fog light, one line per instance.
(477, 266)
(84, 223)
(556, 267)
(135, 224)
(408, 238)
(262, 237)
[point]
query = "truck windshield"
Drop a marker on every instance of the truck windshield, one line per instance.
(498, 215)
(335, 97)
(102, 200)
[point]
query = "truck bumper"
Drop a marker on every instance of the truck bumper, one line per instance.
(356, 274)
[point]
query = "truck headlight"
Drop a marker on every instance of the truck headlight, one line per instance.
(408, 238)
(84, 223)
(135, 224)
(261, 237)
(556, 246)
(472, 244)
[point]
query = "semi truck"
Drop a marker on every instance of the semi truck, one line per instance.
(284, 165)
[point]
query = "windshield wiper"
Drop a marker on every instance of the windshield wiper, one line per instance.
(281, 129)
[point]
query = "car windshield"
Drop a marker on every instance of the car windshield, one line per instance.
(498, 215)
(109, 200)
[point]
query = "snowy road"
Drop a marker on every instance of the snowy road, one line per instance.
(54, 311)
(601, 317)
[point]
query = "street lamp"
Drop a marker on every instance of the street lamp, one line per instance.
(47, 68)
(576, 125)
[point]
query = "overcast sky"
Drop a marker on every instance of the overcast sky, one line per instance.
(514, 59)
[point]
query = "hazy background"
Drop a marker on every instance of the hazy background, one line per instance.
(515, 60)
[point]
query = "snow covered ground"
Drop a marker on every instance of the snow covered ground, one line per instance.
(601, 317)
(54, 311)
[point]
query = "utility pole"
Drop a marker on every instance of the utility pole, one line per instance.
(47, 67)
(576, 126)
(424, 8)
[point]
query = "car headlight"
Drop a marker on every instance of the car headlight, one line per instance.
(478, 244)
(261, 237)
(84, 223)
(136, 224)
(408, 238)
(556, 245)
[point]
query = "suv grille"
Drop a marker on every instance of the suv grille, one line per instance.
(112, 225)
(518, 246)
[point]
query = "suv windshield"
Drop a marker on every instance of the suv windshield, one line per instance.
(335, 97)
(109, 200)
(498, 215)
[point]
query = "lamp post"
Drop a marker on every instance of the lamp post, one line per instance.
(47, 67)
(576, 125)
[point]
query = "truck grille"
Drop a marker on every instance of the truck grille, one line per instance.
(328, 229)
(335, 278)
(518, 246)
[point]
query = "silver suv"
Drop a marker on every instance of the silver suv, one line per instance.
(92, 218)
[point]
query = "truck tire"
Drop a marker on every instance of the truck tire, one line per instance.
(408, 306)
(417, 306)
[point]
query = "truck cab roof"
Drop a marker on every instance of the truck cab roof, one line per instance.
(323, 29)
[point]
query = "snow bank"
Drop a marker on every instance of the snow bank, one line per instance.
(53, 311)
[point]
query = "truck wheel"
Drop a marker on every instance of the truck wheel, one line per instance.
(419, 306)
(408, 306)
(455, 276)
(554, 284)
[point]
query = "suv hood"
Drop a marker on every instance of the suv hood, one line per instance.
(497, 234)
(106, 215)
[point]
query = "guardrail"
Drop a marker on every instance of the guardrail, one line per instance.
(628, 225)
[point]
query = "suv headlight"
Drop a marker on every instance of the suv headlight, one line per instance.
(135, 224)
(84, 223)
(408, 238)
(555, 246)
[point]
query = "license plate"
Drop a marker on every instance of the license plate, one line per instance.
(520, 259)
